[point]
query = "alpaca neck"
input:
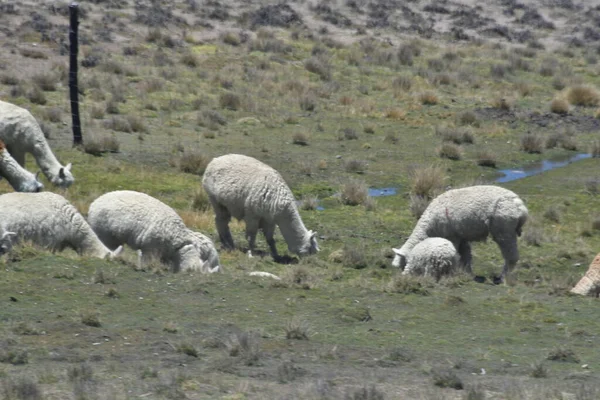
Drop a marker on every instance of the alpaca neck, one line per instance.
(13, 172)
(45, 158)
(292, 228)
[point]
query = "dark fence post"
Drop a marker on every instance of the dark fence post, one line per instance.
(73, 91)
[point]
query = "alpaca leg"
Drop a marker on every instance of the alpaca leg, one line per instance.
(510, 252)
(269, 232)
(466, 258)
(222, 218)
(251, 231)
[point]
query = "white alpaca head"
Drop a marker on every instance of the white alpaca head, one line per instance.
(31, 185)
(64, 178)
(6, 242)
(310, 245)
(399, 260)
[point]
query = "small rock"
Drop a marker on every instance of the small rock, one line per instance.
(585, 366)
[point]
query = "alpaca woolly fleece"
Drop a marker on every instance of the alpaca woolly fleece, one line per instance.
(471, 214)
(22, 134)
(208, 252)
(245, 188)
(435, 257)
(19, 178)
(147, 224)
(589, 284)
(49, 220)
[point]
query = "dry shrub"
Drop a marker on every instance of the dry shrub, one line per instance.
(10, 80)
(450, 151)
(53, 114)
(486, 158)
(319, 66)
(189, 60)
(428, 98)
(502, 103)
(354, 193)
(309, 203)
(455, 135)
(583, 95)
(35, 54)
(137, 124)
(118, 124)
(524, 88)
(346, 100)
(301, 138)
(322, 165)
(97, 111)
(90, 318)
(467, 118)
(297, 329)
(409, 284)
(427, 182)
(98, 144)
(231, 38)
(230, 100)
(418, 205)
(193, 162)
(559, 106)
(45, 81)
(533, 143)
(348, 134)
(402, 83)
(200, 201)
(36, 96)
(395, 113)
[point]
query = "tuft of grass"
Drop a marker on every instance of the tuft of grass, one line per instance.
(534, 235)
(408, 284)
(25, 329)
(402, 83)
(301, 138)
(552, 214)
(455, 135)
(559, 106)
(563, 354)
(428, 98)
(200, 200)
(502, 103)
(244, 345)
(37, 96)
(35, 54)
(193, 162)
(532, 143)
(187, 349)
(348, 134)
(98, 144)
(538, 370)
(118, 123)
(366, 393)
(401, 354)
(467, 118)
(171, 327)
(320, 67)
(354, 256)
(21, 388)
(395, 113)
(90, 318)
(355, 166)
(354, 193)
(297, 329)
(450, 151)
(583, 95)
(231, 38)
(446, 378)
(418, 205)
(427, 182)
(486, 158)
(309, 203)
(230, 101)
(288, 372)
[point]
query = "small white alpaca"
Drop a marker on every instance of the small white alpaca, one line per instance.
(244, 188)
(49, 220)
(19, 178)
(434, 257)
(22, 134)
(147, 224)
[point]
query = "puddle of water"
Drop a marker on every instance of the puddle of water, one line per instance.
(380, 192)
(537, 168)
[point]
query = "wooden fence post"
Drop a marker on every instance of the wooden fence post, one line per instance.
(73, 91)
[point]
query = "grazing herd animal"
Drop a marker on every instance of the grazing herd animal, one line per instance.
(241, 187)
(145, 223)
(244, 188)
(49, 220)
(471, 214)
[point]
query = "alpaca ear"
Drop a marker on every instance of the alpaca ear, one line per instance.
(68, 167)
(114, 254)
(397, 251)
(37, 175)
(7, 234)
(313, 234)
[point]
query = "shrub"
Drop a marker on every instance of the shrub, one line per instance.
(308, 102)
(467, 118)
(188, 349)
(193, 162)
(395, 113)
(318, 66)
(486, 158)
(428, 98)
(427, 182)
(559, 106)
(300, 138)
(446, 378)
(118, 124)
(407, 284)
(200, 201)
(53, 114)
(552, 214)
(90, 318)
(244, 345)
(563, 355)
(21, 389)
(35, 54)
(230, 100)
(354, 193)
(450, 151)
(97, 112)
(97, 144)
(309, 203)
(288, 372)
(231, 38)
(418, 205)
(354, 256)
(355, 166)
(502, 104)
(297, 329)
(46, 82)
(455, 135)
(366, 393)
(37, 96)
(538, 370)
(532, 143)
(402, 82)
(534, 235)
(9, 80)
(583, 95)
(349, 134)
(189, 60)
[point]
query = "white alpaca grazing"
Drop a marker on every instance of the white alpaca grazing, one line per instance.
(22, 134)
(19, 178)
(245, 188)
(471, 214)
(49, 220)
(434, 257)
(147, 224)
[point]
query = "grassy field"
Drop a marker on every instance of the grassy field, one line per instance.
(337, 107)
